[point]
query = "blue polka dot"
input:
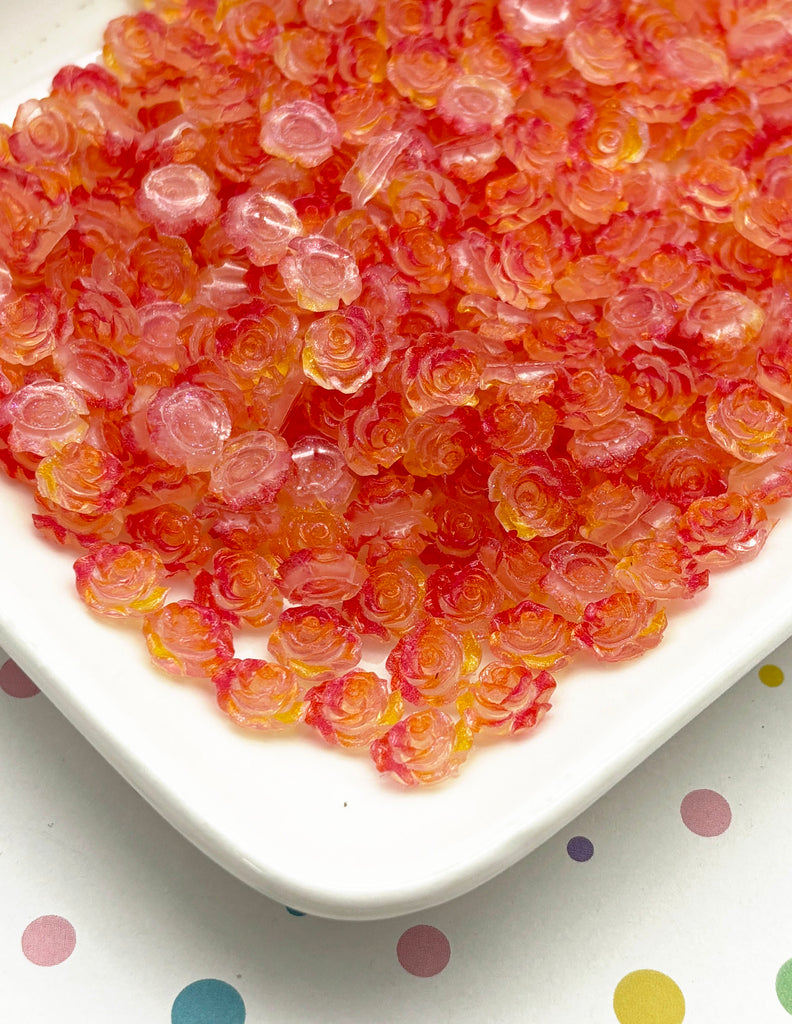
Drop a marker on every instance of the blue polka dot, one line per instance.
(208, 1002)
(580, 848)
(295, 913)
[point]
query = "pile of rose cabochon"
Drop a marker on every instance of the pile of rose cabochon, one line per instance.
(460, 328)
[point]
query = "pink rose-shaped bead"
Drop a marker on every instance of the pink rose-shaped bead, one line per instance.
(301, 131)
(44, 415)
(473, 103)
(251, 470)
(177, 197)
(263, 224)
(319, 274)
(188, 426)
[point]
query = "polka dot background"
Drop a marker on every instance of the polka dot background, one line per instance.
(662, 904)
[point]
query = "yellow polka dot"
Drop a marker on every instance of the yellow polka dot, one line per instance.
(648, 997)
(771, 675)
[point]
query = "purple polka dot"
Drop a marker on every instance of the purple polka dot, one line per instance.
(15, 683)
(706, 812)
(423, 951)
(580, 848)
(48, 940)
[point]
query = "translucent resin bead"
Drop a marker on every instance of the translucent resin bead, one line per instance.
(342, 351)
(353, 710)
(724, 530)
(534, 22)
(301, 131)
(45, 415)
(188, 426)
(241, 587)
(506, 699)
(434, 377)
(120, 580)
(428, 663)
(532, 635)
(326, 576)
(31, 326)
(747, 423)
(103, 376)
(250, 470)
(656, 569)
(175, 532)
(263, 224)
(185, 639)
(466, 598)
(319, 274)
(81, 478)
(389, 601)
(373, 435)
(177, 197)
(423, 748)
(259, 695)
(315, 642)
(320, 473)
(532, 499)
(621, 626)
(472, 103)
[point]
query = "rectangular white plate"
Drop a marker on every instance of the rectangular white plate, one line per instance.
(309, 826)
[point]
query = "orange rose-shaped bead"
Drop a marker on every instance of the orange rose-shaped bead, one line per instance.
(423, 748)
(120, 580)
(259, 694)
(354, 709)
(186, 639)
(506, 699)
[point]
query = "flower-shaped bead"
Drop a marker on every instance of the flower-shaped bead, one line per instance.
(263, 224)
(186, 639)
(747, 423)
(188, 426)
(429, 662)
(343, 350)
(81, 478)
(532, 635)
(177, 197)
(325, 576)
(241, 586)
(250, 471)
(353, 710)
(506, 699)
(301, 131)
(532, 496)
(723, 530)
(621, 626)
(423, 748)
(258, 694)
(45, 415)
(121, 580)
(315, 642)
(319, 274)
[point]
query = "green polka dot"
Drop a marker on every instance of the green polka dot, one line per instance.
(771, 675)
(784, 986)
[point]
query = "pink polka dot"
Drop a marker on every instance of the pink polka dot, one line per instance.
(706, 812)
(15, 683)
(423, 950)
(48, 940)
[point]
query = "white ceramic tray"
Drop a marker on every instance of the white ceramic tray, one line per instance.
(313, 828)
(319, 830)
